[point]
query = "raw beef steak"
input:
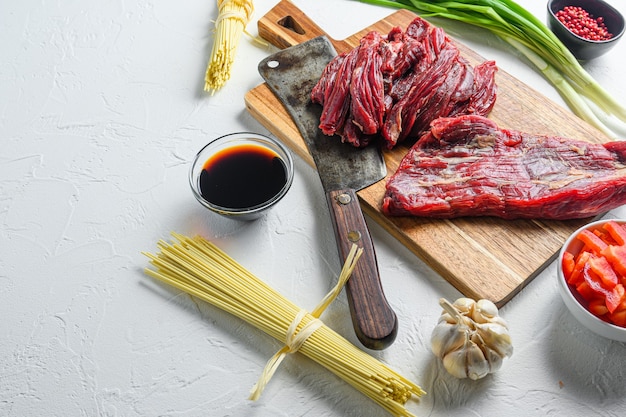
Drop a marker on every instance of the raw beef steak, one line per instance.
(467, 166)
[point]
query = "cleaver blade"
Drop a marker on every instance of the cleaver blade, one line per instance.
(343, 169)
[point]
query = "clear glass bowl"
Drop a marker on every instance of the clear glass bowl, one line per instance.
(233, 142)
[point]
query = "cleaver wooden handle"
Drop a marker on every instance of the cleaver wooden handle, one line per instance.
(375, 323)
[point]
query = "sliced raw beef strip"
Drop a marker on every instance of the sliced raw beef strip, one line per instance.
(399, 54)
(457, 87)
(418, 29)
(366, 89)
(393, 86)
(403, 114)
(352, 135)
(467, 166)
(327, 80)
(337, 96)
(484, 95)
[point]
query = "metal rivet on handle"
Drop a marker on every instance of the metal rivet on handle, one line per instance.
(344, 199)
(354, 236)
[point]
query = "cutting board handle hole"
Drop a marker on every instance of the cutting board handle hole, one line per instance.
(273, 64)
(288, 22)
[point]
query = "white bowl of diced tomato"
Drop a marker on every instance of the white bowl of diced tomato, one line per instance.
(592, 277)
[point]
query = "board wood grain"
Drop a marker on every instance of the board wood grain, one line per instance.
(482, 257)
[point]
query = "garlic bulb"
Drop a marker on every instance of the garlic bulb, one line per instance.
(471, 338)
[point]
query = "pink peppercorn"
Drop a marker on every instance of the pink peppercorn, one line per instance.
(582, 23)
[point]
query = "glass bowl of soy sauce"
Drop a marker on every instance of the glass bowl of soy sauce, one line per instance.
(241, 175)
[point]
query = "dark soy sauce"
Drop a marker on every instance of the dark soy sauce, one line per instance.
(242, 176)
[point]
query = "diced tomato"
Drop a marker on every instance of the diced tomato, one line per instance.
(618, 318)
(605, 236)
(583, 250)
(594, 243)
(616, 230)
(614, 298)
(595, 283)
(597, 307)
(567, 264)
(576, 275)
(616, 255)
(604, 270)
(585, 291)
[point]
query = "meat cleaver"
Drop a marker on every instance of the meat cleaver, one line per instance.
(343, 170)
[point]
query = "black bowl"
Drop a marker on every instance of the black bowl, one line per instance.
(585, 49)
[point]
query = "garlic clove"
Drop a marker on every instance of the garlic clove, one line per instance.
(484, 311)
(497, 337)
(464, 305)
(446, 337)
(477, 364)
(466, 362)
(455, 363)
(447, 318)
(493, 358)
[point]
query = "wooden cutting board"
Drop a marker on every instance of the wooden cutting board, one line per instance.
(482, 257)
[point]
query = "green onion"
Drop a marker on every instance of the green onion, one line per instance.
(532, 38)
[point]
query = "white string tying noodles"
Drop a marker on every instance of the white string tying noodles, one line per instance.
(241, 14)
(295, 339)
(237, 15)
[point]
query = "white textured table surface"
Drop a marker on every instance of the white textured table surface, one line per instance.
(101, 109)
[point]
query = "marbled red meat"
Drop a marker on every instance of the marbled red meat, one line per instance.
(326, 83)
(468, 166)
(482, 98)
(393, 86)
(337, 95)
(424, 84)
(367, 92)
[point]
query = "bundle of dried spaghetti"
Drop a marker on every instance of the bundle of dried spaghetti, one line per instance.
(232, 19)
(198, 267)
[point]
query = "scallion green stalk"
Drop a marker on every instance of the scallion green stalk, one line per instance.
(530, 36)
